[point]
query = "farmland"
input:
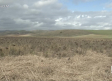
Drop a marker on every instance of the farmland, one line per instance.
(42, 58)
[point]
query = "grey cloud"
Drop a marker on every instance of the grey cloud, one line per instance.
(16, 17)
(10, 24)
(44, 16)
(77, 1)
(7, 2)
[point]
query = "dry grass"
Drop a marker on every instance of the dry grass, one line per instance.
(55, 59)
(89, 67)
(53, 47)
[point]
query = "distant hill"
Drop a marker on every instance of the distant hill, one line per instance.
(101, 32)
(14, 32)
(59, 33)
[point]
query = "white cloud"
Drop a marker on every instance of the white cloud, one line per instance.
(77, 1)
(44, 3)
(88, 16)
(82, 15)
(59, 19)
(78, 17)
(99, 16)
(66, 21)
(107, 28)
(37, 24)
(21, 21)
(48, 14)
(25, 6)
(104, 24)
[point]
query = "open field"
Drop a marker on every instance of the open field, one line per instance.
(55, 59)
(89, 67)
(60, 33)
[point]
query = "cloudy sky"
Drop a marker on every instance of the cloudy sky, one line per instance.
(55, 14)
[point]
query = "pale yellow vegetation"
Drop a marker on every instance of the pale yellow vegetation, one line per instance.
(89, 67)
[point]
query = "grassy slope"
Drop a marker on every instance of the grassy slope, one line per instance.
(64, 33)
(76, 33)
(101, 32)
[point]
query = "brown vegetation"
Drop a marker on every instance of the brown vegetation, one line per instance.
(55, 59)
(91, 67)
(53, 47)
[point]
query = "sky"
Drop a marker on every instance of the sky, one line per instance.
(55, 14)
